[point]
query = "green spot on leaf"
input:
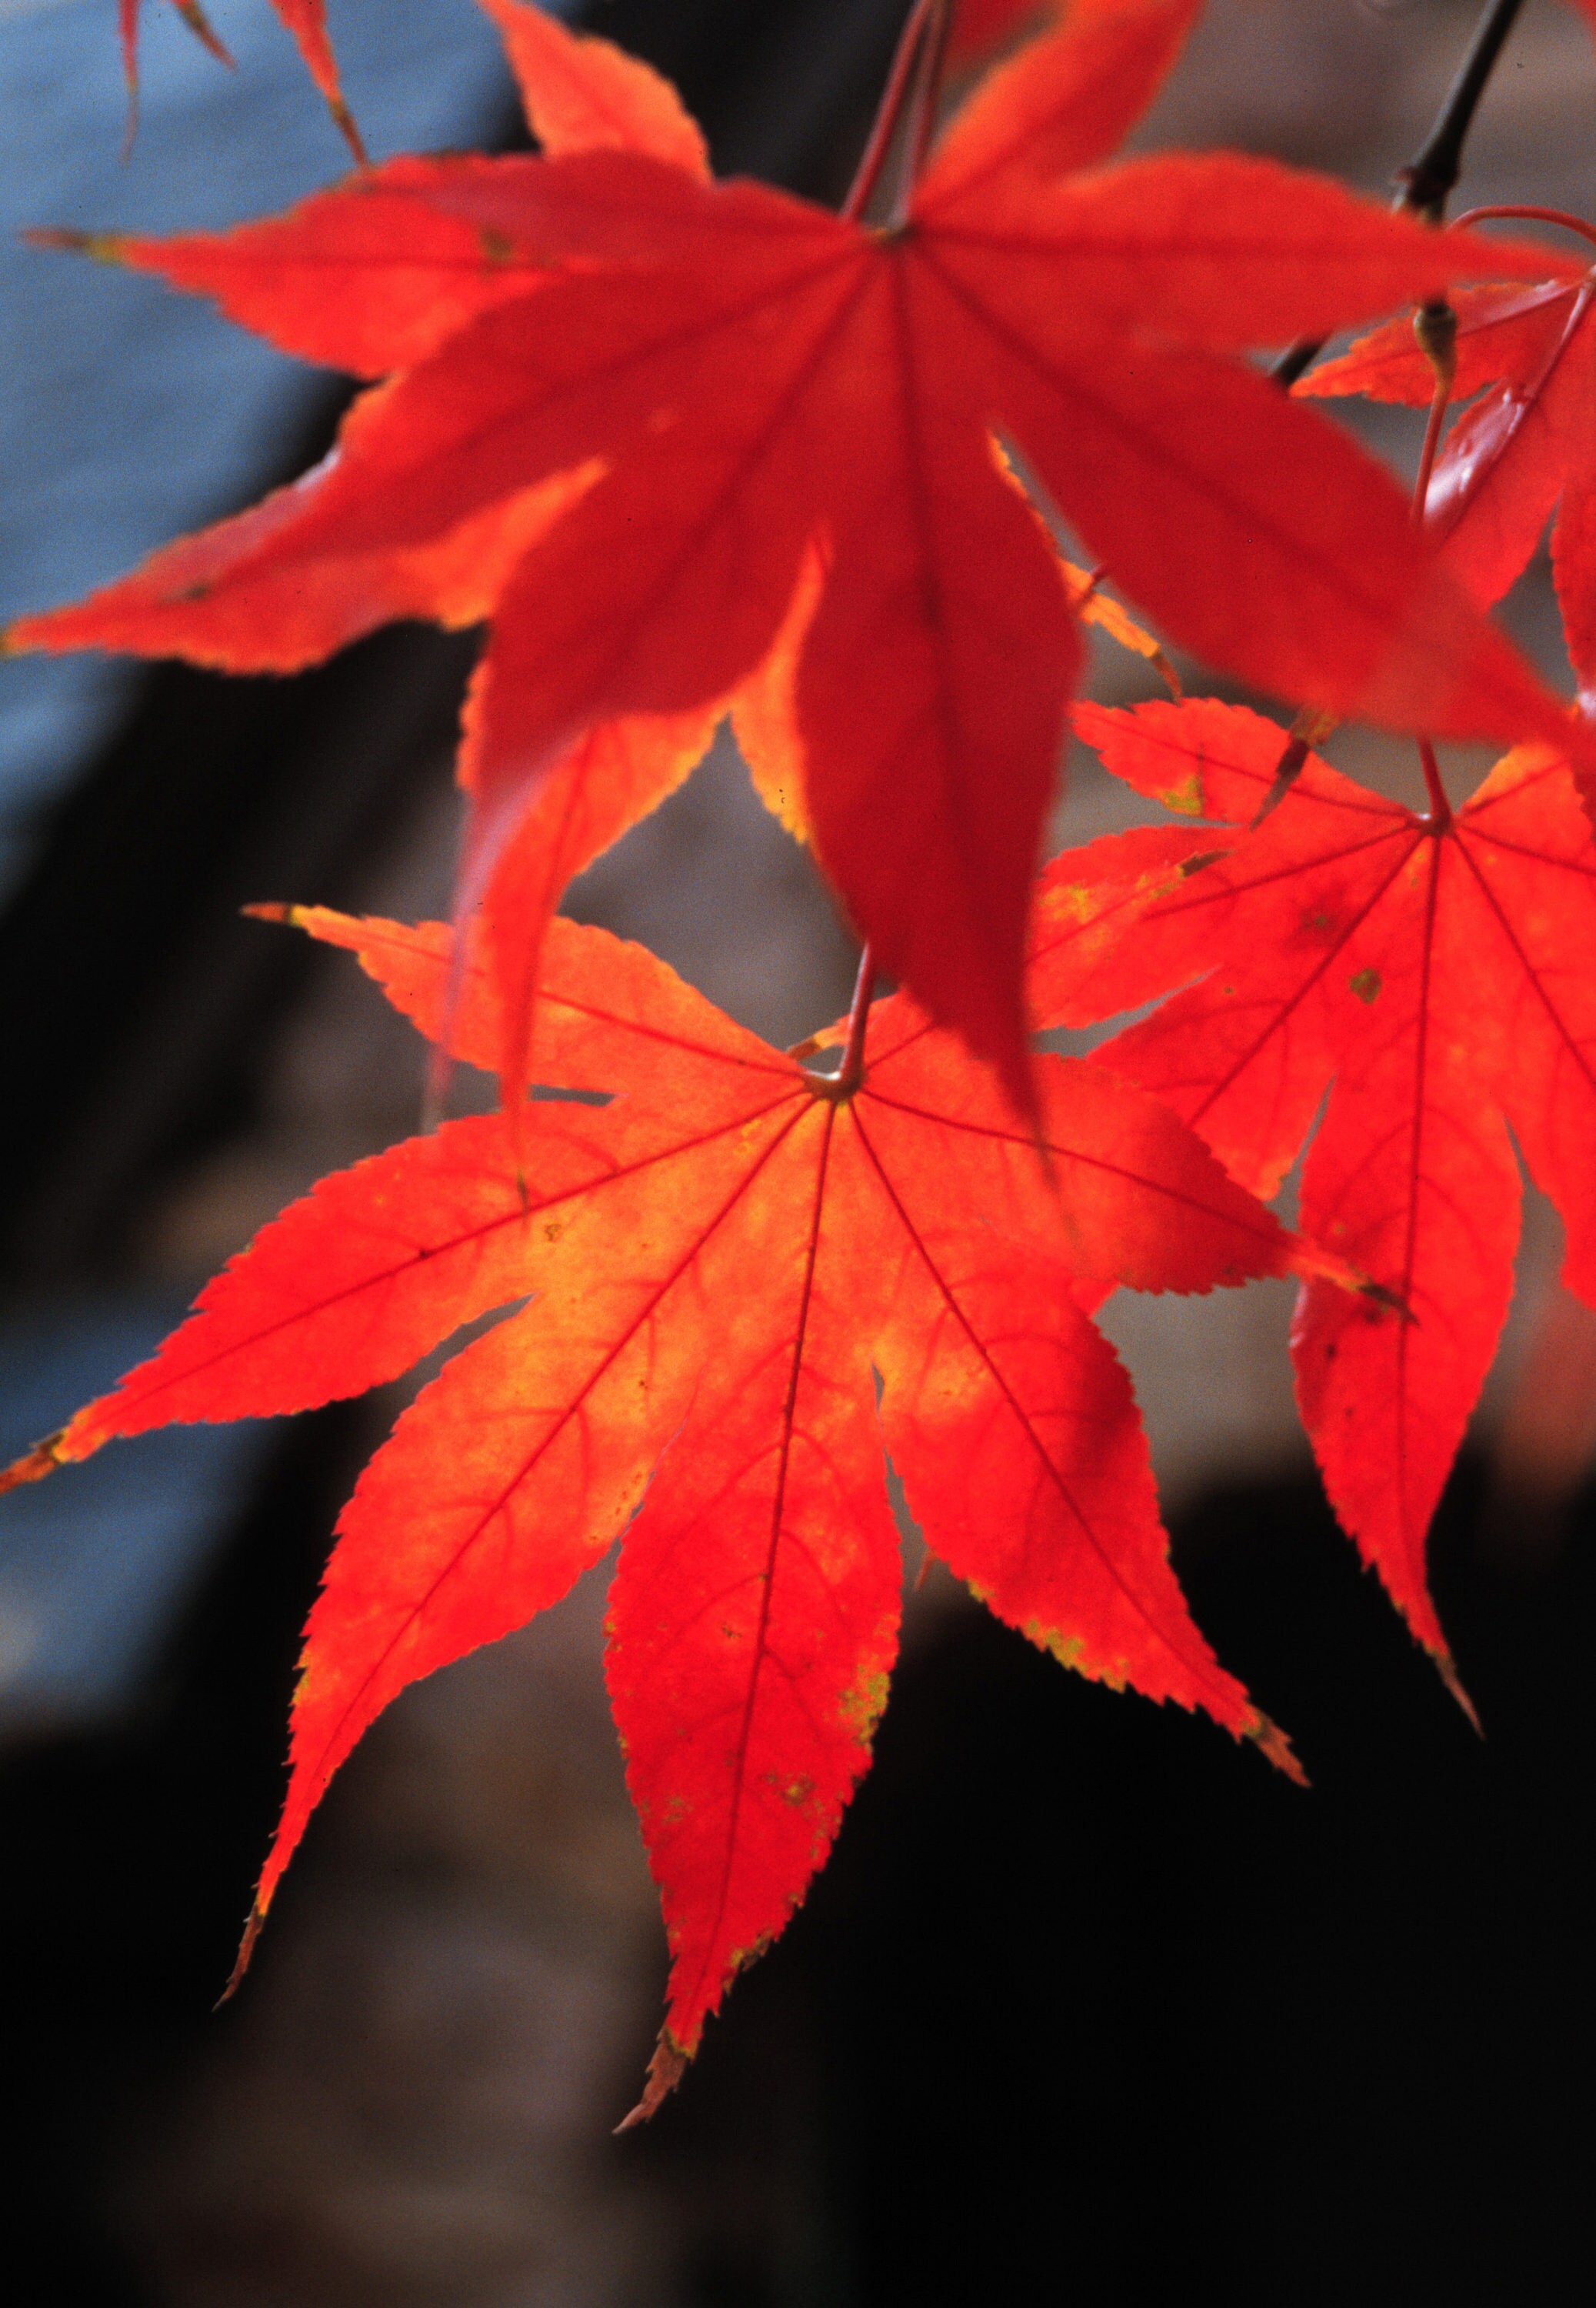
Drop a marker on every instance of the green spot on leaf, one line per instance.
(1186, 799)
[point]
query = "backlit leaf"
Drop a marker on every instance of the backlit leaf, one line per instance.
(636, 410)
(1433, 979)
(714, 1271)
(1526, 451)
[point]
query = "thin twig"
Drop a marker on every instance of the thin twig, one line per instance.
(1429, 176)
(1429, 179)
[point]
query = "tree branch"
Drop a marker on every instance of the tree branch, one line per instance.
(1429, 176)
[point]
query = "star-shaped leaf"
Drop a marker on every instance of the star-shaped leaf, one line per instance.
(1429, 976)
(627, 410)
(720, 1267)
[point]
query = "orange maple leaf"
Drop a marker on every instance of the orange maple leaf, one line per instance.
(1431, 973)
(724, 1263)
(630, 412)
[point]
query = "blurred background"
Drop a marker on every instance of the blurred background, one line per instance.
(1087, 2004)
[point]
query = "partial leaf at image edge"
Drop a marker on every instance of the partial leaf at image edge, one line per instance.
(556, 462)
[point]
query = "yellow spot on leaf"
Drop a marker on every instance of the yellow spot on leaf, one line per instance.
(1187, 798)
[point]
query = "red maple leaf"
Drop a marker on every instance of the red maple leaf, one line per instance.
(724, 1262)
(1524, 449)
(630, 413)
(305, 18)
(1431, 974)
(980, 26)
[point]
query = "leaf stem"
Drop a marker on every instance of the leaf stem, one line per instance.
(1529, 213)
(902, 82)
(922, 104)
(1530, 393)
(1433, 171)
(851, 1073)
(1435, 327)
(1439, 816)
(1426, 455)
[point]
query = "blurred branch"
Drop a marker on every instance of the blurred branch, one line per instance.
(1434, 171)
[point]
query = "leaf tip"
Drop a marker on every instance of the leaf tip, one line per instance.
(34, 1465)
(241, 1961)
(1445, 1666)
(1391, 1301)
(104, 247)
(1017, 1074)
(666, 2072)
(344, 121)
(1313, 1263)
(193, 15)
(1272, 1743)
